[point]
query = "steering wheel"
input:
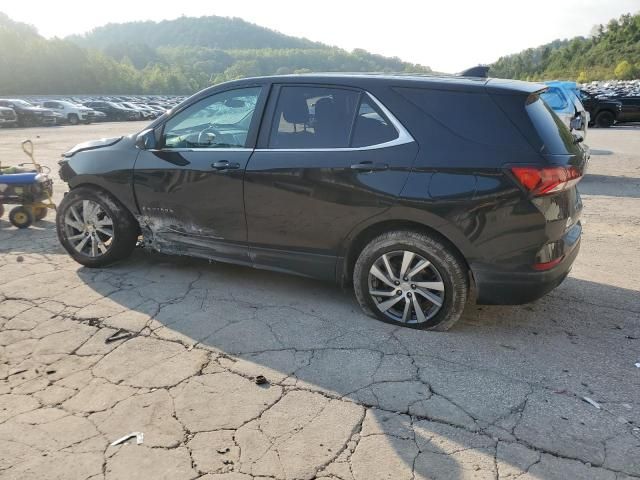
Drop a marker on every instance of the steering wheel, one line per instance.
(209, 129)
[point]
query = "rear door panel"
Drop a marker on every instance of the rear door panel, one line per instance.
(301, 204)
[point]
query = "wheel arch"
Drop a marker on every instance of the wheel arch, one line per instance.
(112, 196)
(358, 240)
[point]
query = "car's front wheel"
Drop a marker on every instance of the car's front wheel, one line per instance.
(94, 228)
(411, 279)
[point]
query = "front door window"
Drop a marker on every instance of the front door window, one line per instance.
(221, 121)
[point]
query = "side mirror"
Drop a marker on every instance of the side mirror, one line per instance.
(147, 140)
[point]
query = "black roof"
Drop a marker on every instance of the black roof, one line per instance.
(438, 82)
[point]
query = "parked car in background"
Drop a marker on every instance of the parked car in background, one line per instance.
(562, 98)
(630, 109)
(8, 117)
(603, 111)
(143, 112)
(71, 112)
(383, 183)
(113, 111)
(29, 115)
(99, 116)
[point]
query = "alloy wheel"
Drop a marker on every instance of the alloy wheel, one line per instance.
(89, 228)
(406, 287)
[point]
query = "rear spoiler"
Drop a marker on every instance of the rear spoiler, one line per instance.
(501, 86)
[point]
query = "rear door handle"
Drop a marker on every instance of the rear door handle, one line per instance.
(225, 165)
(369, 167)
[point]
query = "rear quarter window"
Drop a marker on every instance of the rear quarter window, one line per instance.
(470, 115)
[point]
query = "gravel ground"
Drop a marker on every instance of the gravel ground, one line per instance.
(502, 395)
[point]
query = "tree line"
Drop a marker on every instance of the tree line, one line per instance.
(115, 62)
(611, 51)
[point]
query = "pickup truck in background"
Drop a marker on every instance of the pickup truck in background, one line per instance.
(603, 111)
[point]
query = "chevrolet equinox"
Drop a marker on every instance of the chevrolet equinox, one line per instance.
(421, 191)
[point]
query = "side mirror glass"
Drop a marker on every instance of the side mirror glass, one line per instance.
(146, 140)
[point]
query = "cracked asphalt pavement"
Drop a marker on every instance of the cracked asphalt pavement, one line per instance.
(501, 395)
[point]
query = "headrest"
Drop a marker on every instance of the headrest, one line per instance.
(294, 107)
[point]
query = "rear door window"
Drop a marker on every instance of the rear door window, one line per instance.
(310, 117)
(313, 117)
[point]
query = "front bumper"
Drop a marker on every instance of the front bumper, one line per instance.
(495, 286)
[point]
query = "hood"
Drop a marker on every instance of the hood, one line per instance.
(91, 145)
(36, 110)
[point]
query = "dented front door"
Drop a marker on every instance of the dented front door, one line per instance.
(189, 190)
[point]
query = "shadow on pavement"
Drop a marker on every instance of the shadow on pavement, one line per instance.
(610, 186)
(500, 367)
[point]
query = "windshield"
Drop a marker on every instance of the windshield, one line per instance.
(21, 103)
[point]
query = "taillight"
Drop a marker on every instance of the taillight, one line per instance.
(546, 180)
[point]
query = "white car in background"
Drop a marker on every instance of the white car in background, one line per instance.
(71, 112)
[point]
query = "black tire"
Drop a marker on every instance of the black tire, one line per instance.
(605, 119)
(73, 119)
(124, 227)
(445, 263)
(40, 212)
(21, 217)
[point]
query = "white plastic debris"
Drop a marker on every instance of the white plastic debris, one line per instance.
(139, 436)
(637, 364)
(591, 401)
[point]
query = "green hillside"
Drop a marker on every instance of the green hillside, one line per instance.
(175, 57)
(212, 32)
(612, 51)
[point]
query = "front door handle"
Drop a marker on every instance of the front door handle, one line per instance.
(225, 165)
(369, 167)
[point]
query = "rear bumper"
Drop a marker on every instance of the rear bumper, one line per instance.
(499, 287)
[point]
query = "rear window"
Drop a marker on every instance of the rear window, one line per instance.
(555, 135)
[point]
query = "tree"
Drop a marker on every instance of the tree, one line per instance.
(624, 71)
(582, 78)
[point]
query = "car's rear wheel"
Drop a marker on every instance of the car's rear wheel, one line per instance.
(411, 279)
(605, 119)
(94, 228)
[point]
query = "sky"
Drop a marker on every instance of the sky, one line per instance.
(447, 36)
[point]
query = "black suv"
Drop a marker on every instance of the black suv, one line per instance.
(371, 179)
(113, 111)
(603, 111)
(29, 115)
